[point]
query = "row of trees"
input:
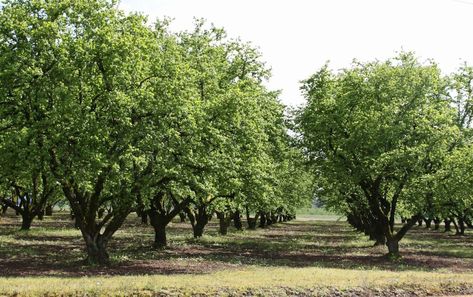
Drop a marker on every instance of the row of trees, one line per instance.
(115, 116)
(391, 140)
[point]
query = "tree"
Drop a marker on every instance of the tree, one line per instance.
(74, 74)
(372, 132)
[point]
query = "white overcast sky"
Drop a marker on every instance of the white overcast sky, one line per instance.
(297, 37)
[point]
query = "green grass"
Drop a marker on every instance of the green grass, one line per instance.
(312, 255)
(254, 279)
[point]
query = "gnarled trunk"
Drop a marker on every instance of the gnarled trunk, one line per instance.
(96, 246)
(393, 248)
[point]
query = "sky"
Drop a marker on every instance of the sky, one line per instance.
(298, 37)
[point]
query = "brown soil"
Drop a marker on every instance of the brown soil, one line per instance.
(295, 244)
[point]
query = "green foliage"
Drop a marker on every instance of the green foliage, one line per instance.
(122, 116)
(374, 132)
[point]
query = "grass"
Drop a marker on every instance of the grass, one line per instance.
(250, 279)
(310, 256)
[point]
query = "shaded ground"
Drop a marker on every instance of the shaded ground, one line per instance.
(53, 247)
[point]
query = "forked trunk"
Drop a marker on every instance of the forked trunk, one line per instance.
(201, 220)
(96, 249)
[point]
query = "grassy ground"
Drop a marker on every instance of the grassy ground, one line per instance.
(303, 257)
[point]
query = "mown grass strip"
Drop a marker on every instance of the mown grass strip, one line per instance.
(248, 279)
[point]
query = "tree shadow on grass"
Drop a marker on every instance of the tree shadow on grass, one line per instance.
(48, 251)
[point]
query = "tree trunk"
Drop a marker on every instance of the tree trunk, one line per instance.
(160, 240)
(182, 217)
(4, 209)
(26, 221)
(269, 219)
(448, 225)
(419, 222)
(144, 218)
(96, 249)
(428, 223)
(461, 226)
(262, 220)
(100, 213)
(251, 221)
(436, 224)
(393, 248)
(198, 230)
(237, 220)
(201, 220)
(223, 223)
(457, 230)
(49, 210)
(41, 215)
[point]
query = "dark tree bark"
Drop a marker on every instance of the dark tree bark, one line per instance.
(448, 225)
(437, 224)
(26, 220)
(237, 220)
(4, 208)
(251, 221)
(32, 204)
(224, 222)
(96, 246)
(461, 226)
(428, 223)
(41, 215)
(262, 220)
(182, 217)
(49, 210)
(161, 213)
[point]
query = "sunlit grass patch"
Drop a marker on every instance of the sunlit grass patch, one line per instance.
(253, 279)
